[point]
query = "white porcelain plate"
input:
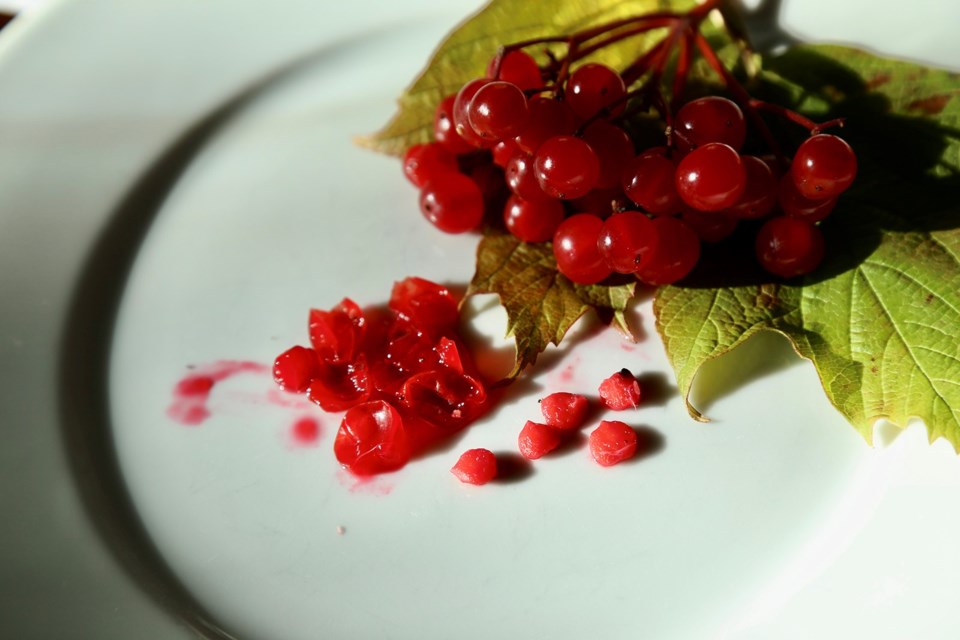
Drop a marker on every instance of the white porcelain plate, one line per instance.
(180, 186)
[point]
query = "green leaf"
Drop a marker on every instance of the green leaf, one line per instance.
(541, 304)
(880, 319)
(465, 53)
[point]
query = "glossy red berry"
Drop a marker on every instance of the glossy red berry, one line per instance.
(676, 253)
(710, 227)
(710, 119)
(627, 241)
(564, 411)
(612, 442)
(795, 204)
(823, 167)
(760, 193)
(620, 391)
(549, 117)
(445, 131)
(517, 67)
(789, 247)
(575, 246)
(498, 110)
(461, 118)
(649, 180)
(522, 179)
(566, 167)
(424, 162)
(613, 147)
(711, 177)
(531, 220)
(475, 466)
(453, 203)
(593, 88)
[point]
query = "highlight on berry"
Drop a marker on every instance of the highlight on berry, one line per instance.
(543, 147)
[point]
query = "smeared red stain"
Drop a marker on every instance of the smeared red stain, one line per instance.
(931, 105)
(192, 393)
(284, 399)
(566, 374)
(878, 80)
(305, 431)
(628, 346)
(369, 485)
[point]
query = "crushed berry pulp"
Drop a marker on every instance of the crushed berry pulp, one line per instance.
(402, 374)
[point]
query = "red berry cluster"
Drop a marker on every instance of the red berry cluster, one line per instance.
(401, 374)
(549, 151)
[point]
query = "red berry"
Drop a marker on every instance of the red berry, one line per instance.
(517, 67)
(710, 119)
(575, 248)
(789, 247)
(613, 148)
(372, 439)
(627, 241)
(564, 411)
(295, 368)
(711, 177)
(823, 167)
(503, 151)
(612, 442)
(424, 162)
(650, 181)
(461, 118)
(341, 385)
(566, 167)
(445, 131)
(453, 203)
(760, 193)
(796, 205)
(594, 87)
(620, 391)
(498, 110)
(531, 220)
(476, 466)
(522, 180)
(710, 227)
(549, 117)
(536, 440)
(675, 255)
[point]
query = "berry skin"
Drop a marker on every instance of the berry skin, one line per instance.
(823, 167)
(613, 148)
(340, 386)
(336, 335)
(424, 162)
(710, 227)
(372, 439)
(649, 180)
(795, 205)
(532, 221)
(594, 87)
(453, 203)
(475, 466)
(548, 118)
(521, 179)
(295, 368)
(566, 167)
(620, 391)
(711, 177)
(445, 131)
(517, 67)
(789, 247)
(575, 248)
(710, 119)
(564, 411)
(536, 440)
(627, 241)
(498, 110)
(461, 118)
(446, 399)
(612, 442)
(676, 254)
(760, 193)
(430, 307)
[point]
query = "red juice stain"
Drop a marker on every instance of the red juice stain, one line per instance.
(305, 431)
(192, 392)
